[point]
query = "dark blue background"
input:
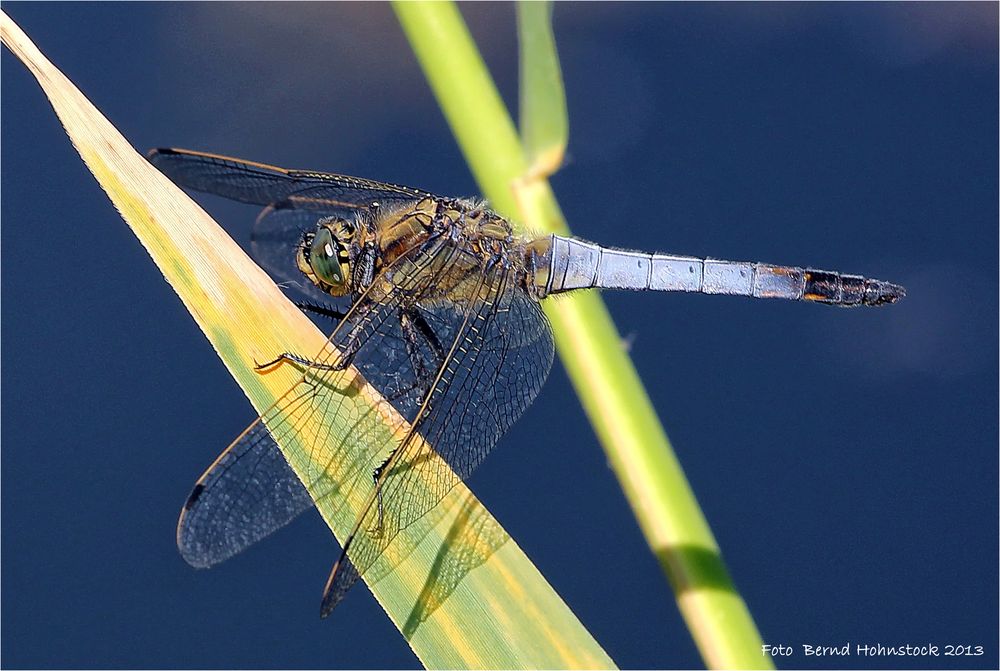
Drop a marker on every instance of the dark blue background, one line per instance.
(846, 460)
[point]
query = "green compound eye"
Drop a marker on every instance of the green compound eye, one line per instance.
(324, 257)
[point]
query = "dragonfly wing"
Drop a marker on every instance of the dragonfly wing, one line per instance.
(248, 493)
(473, 357)
(498, 350)
(250, 490)
(294, 201)
(262, 184)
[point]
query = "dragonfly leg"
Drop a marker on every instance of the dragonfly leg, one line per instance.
(419, 337)
(422, 347)
(417, 330)
(342, 361)
(376, 475)
(287, 357)
(322, 310)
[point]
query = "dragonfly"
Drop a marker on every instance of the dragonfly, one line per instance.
(436, 301)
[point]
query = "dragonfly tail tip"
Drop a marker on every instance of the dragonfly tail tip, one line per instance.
(883, 293)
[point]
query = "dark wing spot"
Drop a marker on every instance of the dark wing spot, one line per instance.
(195, 494)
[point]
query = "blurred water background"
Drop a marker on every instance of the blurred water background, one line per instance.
(846, 460)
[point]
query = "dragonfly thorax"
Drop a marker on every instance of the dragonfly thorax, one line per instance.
(469, 224)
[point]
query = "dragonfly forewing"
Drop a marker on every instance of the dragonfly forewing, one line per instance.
(262, 184)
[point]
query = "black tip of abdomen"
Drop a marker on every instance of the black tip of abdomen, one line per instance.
(834, 288)
(878, 292)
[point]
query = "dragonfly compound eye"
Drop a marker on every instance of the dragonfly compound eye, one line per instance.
(328, 259)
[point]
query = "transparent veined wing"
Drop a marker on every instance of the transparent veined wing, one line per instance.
(460, 351)
(262, 184)
(497, 351)
(294, 200)
(248, 493)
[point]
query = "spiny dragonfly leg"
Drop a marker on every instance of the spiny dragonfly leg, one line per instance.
(376, 474)
(322, 310)
(416, 330)
(417, 333)
(287, 357)
(344, 359)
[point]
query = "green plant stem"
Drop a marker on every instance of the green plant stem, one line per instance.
(590, 348)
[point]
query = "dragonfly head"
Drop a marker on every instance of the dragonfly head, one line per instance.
(324, 255)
